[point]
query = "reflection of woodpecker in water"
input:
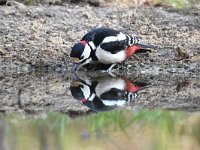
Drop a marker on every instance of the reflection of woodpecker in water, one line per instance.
(105, 93)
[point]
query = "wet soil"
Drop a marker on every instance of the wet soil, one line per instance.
(40, 38)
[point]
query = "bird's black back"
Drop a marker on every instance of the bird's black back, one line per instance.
(97, 35)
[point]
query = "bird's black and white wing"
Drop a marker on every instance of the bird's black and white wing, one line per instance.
(110, 40)
(97, 35)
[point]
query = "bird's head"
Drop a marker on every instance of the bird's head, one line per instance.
(80, 90)
(80, 54)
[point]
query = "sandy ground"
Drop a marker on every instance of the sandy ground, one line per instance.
(31, 38)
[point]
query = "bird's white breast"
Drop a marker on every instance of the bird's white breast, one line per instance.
(106, 57)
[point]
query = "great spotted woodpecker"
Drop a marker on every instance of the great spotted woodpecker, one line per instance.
(107, 46)
(105, 93)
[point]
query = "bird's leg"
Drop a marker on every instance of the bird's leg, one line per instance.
(74, 76)
(110, 68)
(112, 74)
(75, 67)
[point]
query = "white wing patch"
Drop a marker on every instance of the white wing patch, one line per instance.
(119, 37)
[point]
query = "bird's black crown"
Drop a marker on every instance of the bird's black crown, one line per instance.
(77, 50)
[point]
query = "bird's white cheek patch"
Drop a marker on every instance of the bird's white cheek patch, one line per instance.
(106, 57)
(86, 91)
(86, 52)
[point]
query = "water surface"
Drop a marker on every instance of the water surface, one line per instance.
(55, 91)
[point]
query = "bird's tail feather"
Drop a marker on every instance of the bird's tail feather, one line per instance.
(145, 48)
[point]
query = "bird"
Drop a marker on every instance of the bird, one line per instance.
(106, 46)
(105, 93)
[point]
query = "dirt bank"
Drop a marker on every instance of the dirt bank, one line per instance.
(32, 36)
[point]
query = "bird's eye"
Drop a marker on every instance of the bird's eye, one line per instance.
(74, 59)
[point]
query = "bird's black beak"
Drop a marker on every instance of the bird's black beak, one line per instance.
(74, 67)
